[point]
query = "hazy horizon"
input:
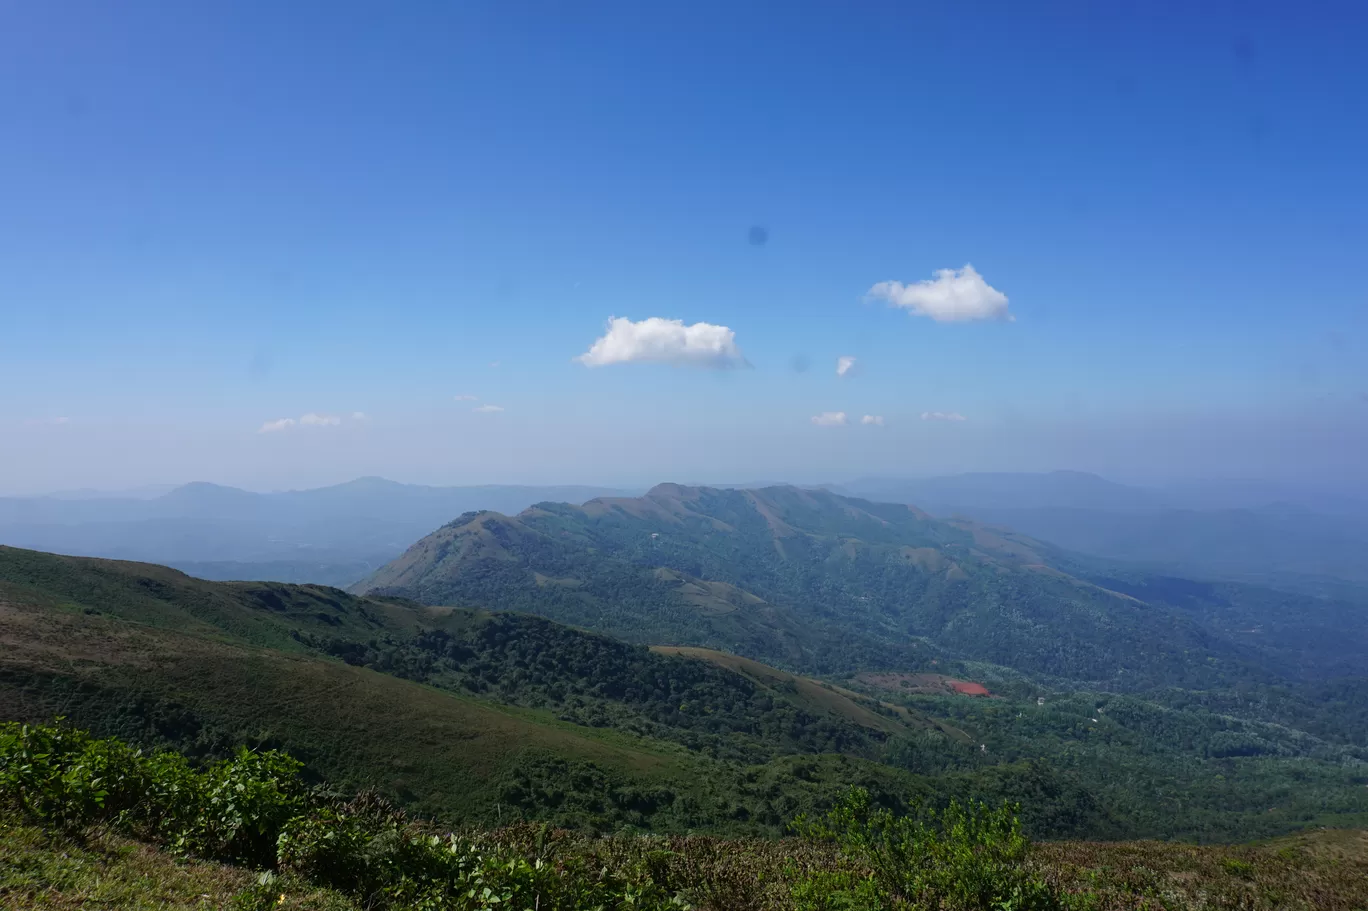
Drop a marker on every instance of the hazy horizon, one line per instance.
(1272, 486)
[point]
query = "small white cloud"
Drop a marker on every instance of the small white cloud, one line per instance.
(953, 296)
(830, 419)
(664, 341)
(487, 409)
(467, 398)
(274, 426)
(359, 416)
(494, 363)
(875, 419)
(844, 365)
(320, 420)
(942, 416)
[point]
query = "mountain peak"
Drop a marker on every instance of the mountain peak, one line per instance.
(672, 491)
(205, 489)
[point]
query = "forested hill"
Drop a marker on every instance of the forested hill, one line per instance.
(467, 715)
(831, 584)
(452, 710)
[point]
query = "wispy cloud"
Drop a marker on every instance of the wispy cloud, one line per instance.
(467, 398)
(831, 419)
(875, 419)
(360, 416)
(487, 409)
(320, 420)
(312, 419)
(48, 422)
(954, 295)
(845, 365)
(942, 416)
(664, 341)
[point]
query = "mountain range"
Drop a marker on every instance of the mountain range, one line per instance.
(1304, 539)
(852, 642)
(330, 535)
(822, 583)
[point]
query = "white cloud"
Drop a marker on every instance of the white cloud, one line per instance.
(844, 365)
(875, 419)
(309, 420)
(488, 409)
(942, 416)
(664, 341)
(494, 363)
(359, 416)
(467, 398)
(954, 295)
(830, 419)
(320, 420)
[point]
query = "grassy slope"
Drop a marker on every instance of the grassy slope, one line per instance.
(156, 657)
(818, 697)
(43, 869)
(1320, 871)
(1325, 870)
(438, 750)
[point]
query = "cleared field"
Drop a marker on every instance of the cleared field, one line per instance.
(922, 683)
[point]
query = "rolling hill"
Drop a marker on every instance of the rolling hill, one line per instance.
(467, 715)
(823, 583)
(459, 714)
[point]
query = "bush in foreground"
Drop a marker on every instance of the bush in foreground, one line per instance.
(255, 810)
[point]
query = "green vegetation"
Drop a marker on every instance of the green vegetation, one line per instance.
(45, 867)
(79, 816)
(824, 584)
(255, 810)
(957, 859)
(463, 715)
(1160, 772)
(126, 668)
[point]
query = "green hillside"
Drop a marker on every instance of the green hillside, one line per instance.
(513, 715)
(463, 714)
(94, 822)
(829, 584)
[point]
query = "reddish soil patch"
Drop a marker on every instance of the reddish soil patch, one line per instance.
(923, 683)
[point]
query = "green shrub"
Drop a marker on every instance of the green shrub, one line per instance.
(244, 804)
(837, 890)
(962, 858)
(255, 809)
(233, 810)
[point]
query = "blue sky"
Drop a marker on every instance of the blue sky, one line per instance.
(214, 216)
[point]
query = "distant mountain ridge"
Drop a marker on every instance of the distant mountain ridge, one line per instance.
(1272, 534)
(331, 535)
(1299, 538)
(818, 581)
